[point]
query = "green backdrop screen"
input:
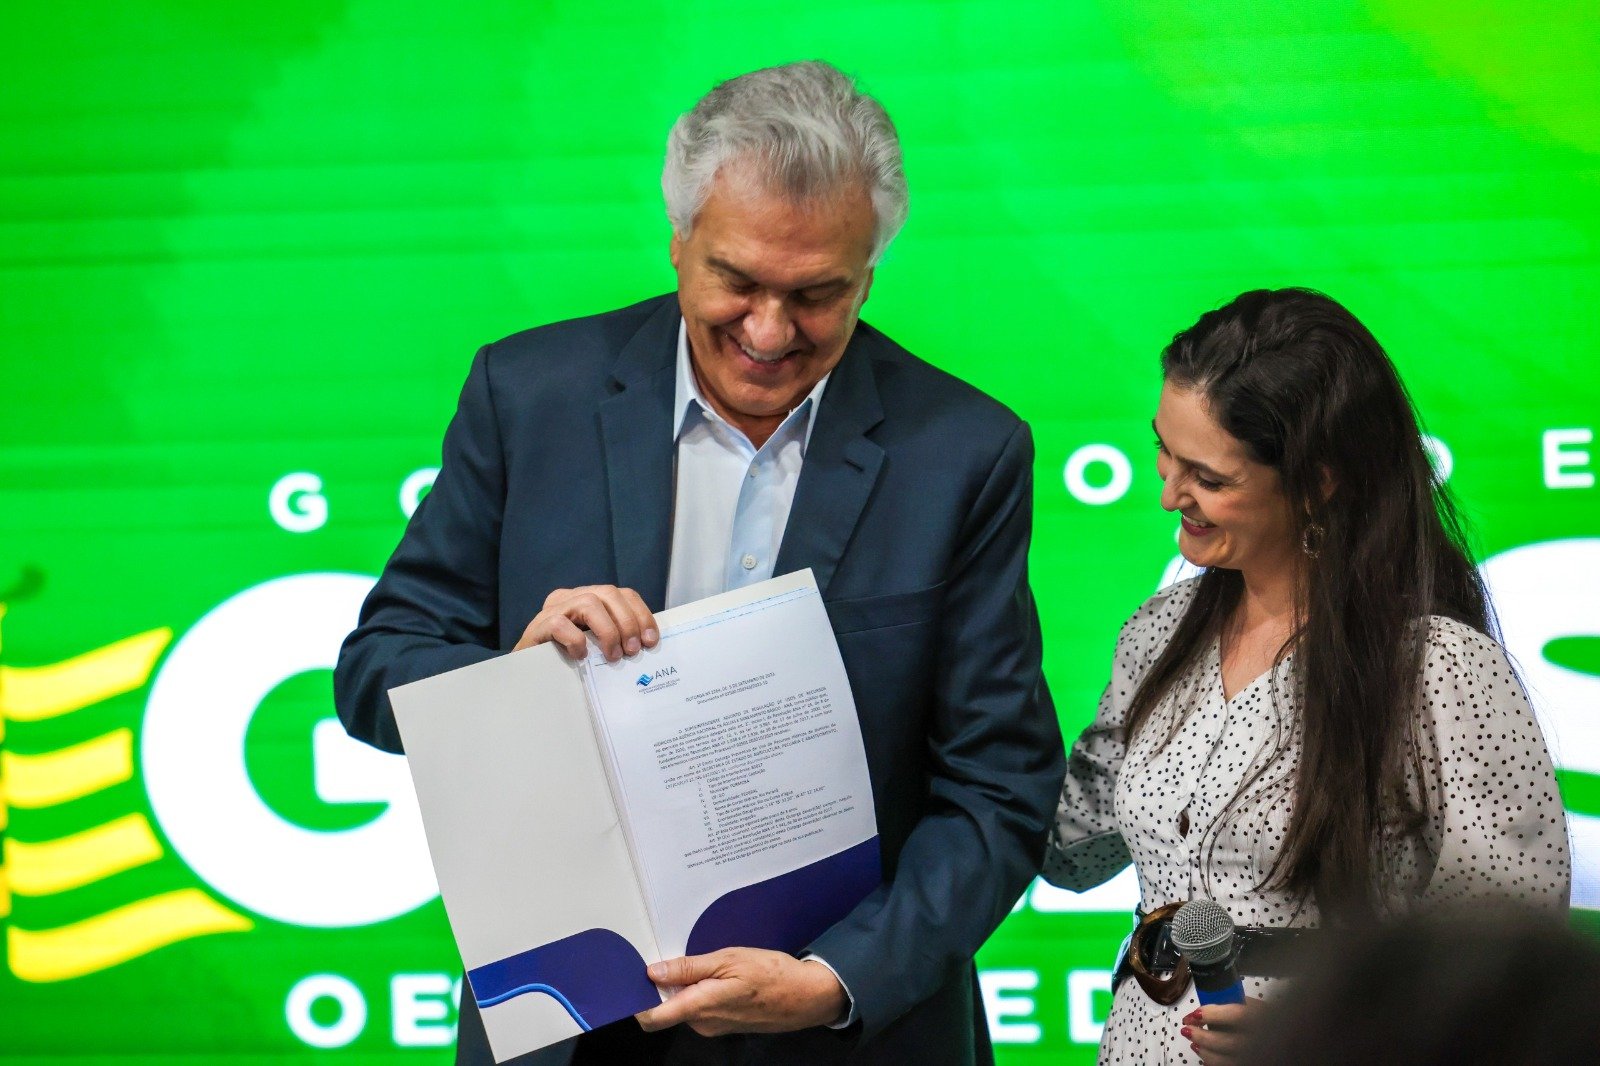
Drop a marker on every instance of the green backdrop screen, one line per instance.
(246, 252)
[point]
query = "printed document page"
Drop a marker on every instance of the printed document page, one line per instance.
(738, 757)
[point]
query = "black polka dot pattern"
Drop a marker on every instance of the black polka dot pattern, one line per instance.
(1200, 801)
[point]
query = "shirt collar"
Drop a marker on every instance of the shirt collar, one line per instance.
(689, 401)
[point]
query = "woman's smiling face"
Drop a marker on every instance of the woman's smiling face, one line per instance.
(1233, 511)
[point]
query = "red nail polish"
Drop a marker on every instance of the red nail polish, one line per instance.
(1192, 1018)
(1188, 1034)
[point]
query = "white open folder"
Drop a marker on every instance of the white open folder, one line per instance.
(586, 819)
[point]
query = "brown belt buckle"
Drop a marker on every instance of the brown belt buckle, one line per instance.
(1165, 989)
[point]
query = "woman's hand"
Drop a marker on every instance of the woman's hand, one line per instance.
(1216, 1033)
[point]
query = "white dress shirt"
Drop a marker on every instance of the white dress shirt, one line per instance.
(731, 499)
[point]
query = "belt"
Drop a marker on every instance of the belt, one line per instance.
(1150, 957)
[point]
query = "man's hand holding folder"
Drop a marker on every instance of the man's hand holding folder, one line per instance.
(745, 990)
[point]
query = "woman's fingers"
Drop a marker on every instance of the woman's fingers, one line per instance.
(1217, 1033)
(1216, 1047)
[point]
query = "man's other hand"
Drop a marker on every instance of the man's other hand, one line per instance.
(745, 990)
(618, 618)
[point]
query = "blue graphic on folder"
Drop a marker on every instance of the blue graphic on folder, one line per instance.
(598, 977)
(787, 912)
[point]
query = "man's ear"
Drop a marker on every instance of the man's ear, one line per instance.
(866, 290)
(675, 249)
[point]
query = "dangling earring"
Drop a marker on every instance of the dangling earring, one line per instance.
(1311, 539)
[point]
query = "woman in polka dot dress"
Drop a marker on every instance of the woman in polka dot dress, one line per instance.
(1317, 729)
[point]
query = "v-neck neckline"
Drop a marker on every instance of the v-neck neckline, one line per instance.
(1222, 688)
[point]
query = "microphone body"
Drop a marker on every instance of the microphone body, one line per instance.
(1203, 934)
(1217, 984)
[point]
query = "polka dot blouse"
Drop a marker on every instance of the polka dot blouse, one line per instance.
(1202, 814)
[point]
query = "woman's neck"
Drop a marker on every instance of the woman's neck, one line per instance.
(1268, 604)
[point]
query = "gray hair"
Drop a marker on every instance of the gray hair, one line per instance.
(808, 132)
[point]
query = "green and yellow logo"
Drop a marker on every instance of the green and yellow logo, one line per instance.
(52, 852)
(87, 805)
(126, 829)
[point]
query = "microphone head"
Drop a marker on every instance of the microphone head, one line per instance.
(1203, 932)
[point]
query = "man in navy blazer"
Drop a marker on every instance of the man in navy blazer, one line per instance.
(578, 494)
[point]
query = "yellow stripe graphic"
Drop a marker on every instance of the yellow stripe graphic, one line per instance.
(82, 858)
(37, 693)
(115, 937)
(34, 693)
(60, 776)
(5, 884)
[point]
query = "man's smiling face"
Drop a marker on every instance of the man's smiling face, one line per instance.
(770, 291)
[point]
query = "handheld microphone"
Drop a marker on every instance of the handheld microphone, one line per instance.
(1203, 934)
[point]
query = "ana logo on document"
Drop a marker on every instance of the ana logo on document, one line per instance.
(646, 680)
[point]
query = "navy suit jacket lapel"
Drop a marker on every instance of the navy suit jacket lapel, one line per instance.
(840, 468)
(636, 433)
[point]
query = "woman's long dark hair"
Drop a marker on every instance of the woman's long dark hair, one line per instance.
(1309, 392)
